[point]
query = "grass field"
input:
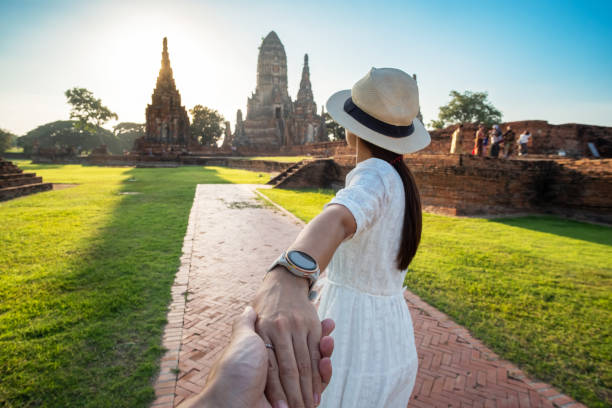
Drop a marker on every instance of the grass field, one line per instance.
(85, 276)
(537, 290)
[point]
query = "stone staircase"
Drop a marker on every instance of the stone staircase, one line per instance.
(15, 183)
(290, 171)
(312, 173)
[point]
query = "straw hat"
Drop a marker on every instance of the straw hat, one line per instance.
(382, 108)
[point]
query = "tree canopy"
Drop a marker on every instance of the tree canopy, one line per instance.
(334, 130)
(207, 125)
(127, 133)
(467, 107)
(65, 133)
(7, 139)
(88, 111)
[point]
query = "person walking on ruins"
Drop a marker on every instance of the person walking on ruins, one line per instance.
(485, 141)
(457, 140)
(496, 138)
(522, 141)
(509, 139)
(367, 234)
(479, 140)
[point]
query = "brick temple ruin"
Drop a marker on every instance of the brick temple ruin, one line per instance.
(559, 176)
(574, 186)
(273, 120)
(167, 122)
(15, 183)
(570, 139)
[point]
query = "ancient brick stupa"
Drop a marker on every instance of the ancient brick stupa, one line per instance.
(167, 123)
(309, 127)
(15, 183)
(273, 119)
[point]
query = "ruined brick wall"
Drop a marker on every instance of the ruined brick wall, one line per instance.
(464, 185)
(322, 149)
(467, 185)
(546, 139)
(579, 187)
(266, 166)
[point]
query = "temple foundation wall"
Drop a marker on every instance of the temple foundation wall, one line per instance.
(464, 185)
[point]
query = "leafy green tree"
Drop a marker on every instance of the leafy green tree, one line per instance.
(64, 133)
(7, 139)
(127, 133)
(207, 125)
(334, 130)
(88, 111)
(467, 107)
(436, 124)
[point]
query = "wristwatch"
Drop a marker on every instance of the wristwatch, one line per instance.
(299, 264)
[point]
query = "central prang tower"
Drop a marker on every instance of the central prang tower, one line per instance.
(271, 99)
(273, 120)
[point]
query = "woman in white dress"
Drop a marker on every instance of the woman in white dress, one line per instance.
(367, 236)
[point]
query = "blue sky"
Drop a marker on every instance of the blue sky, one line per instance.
(537, 60)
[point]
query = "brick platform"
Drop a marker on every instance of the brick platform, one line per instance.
(15, 183)
(229, 228)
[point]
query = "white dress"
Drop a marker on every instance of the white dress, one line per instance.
(374, 361)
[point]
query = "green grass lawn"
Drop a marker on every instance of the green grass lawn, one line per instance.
(282, 159)
(14, 149)
(537, 290)
(85, 276)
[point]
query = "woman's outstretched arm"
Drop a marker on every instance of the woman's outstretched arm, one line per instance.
(288, 320)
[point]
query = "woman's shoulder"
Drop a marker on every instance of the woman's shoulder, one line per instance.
(372, 170)
(374, 165)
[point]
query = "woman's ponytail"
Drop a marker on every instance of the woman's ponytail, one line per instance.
(413, 215)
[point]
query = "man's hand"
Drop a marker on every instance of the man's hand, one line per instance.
(289, 322)
(238, 378)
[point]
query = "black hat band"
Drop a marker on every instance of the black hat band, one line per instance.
(374, 124)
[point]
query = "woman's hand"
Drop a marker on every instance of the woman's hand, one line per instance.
(289, 322)
(238, 378)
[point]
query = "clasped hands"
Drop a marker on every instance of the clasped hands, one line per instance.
(293, 373)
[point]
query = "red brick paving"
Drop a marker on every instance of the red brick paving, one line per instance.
(230, 241)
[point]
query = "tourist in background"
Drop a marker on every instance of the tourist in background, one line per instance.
(522, 141)
(479, 141)
(457, 140)
(509, 139)
(367, 234)
(495, 136)
(485, 141)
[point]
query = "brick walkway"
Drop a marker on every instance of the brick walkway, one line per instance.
(228, 228)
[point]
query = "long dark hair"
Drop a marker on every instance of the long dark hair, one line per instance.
(413, 215)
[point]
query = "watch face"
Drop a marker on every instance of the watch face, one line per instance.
(302, 260)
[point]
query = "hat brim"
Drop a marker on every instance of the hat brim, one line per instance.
(418, 140)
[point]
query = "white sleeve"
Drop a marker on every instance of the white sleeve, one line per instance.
(365, 196)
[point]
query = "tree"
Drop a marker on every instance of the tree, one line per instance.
(87, 110)
(64, 133)
(7, 139)
(127, 133)
(206, 125)
(436, 124)
(333, 128)
(467, 107)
